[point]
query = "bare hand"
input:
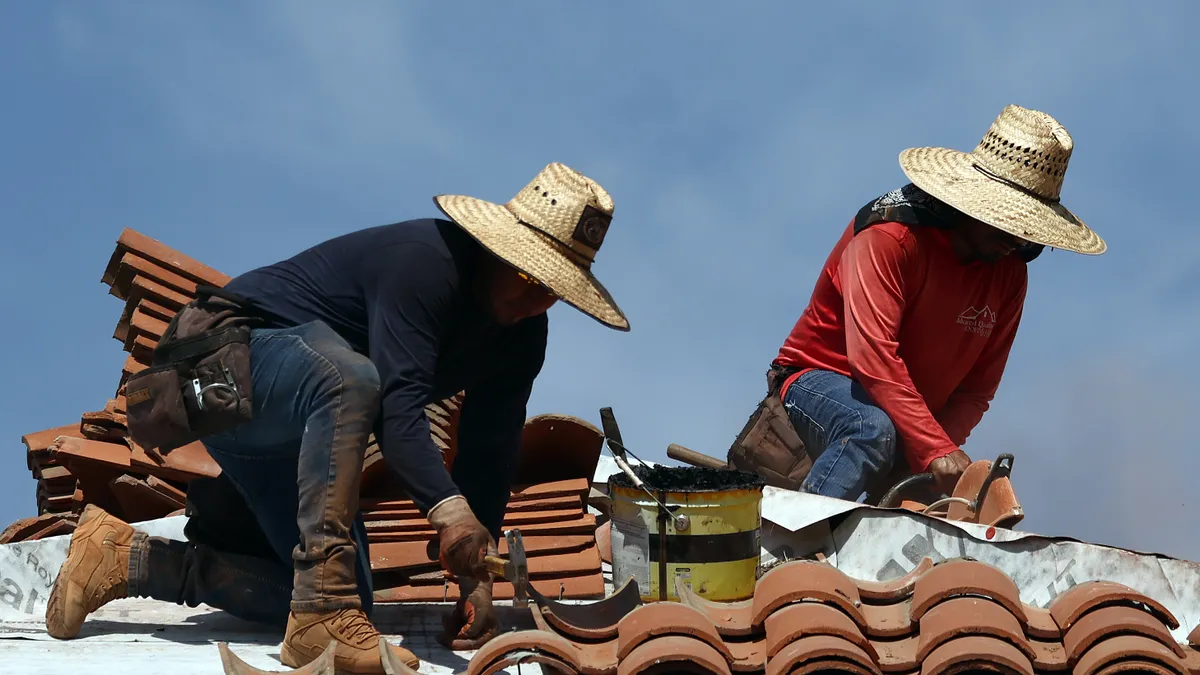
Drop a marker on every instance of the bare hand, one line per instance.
(948, 469)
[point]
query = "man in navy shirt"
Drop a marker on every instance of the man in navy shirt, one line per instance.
(367, 329)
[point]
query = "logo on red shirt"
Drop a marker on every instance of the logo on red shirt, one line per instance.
(978, 321)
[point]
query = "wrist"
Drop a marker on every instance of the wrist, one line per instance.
(447, 511)
(936, 455)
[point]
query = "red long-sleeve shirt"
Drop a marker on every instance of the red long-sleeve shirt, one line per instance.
(927, 336)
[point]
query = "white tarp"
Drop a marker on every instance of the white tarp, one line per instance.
(880, 544)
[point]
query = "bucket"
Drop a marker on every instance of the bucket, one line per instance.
(716, 555)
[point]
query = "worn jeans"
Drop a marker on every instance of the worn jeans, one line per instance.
(851, 440)
(298, 464)
(226, 561)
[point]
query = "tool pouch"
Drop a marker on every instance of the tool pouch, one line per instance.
(199, 381)
(769, 445)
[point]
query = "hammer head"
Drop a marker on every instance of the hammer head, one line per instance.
(518, 574)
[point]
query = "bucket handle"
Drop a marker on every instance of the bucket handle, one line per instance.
(612, 437)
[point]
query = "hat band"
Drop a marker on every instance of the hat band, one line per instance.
(580, 259)
(1013, 184)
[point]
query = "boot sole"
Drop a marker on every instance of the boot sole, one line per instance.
(291, 659)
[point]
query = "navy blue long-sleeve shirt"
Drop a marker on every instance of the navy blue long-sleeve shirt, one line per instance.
(404, 295)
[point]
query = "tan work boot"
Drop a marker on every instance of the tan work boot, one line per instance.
(96, 571)
(358, 642)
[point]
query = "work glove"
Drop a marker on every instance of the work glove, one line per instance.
(462, 540)
(472, 622)
(947, 469)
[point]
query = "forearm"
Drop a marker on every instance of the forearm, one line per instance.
(409, 450)
(961, 414)
(491, 423)
(489, 442)
(924, 437)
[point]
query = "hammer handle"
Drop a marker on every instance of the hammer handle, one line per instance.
(676, 451)
(496, 566)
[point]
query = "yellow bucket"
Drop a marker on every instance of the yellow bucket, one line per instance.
(716, 555)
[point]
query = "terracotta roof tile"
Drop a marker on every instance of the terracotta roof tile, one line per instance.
(810, 618)
(876, 591)
(1114, 620)
(1086, 597)
(969, 623)
(535, 641)
(160, 254)
(734, 619)
(962, 616)
(805, 580)
(961, 577)
(37, 527)
(977, 652)
(658, 655)
(1000, 506)
(651, 621)
(819, 653)
(1124, 653)
(591, 622)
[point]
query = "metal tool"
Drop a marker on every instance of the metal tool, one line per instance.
(1001, 468)
(612, 437)
(515, 570)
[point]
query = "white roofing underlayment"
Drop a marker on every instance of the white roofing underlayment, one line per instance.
(865, 542)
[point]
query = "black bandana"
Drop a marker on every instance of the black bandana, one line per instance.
(910, 205)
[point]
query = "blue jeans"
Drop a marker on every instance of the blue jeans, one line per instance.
(298, 463)
(851, 440)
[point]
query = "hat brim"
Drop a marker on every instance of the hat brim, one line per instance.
(535, 254)
(951, 176)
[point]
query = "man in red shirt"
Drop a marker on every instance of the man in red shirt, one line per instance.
(907, 333)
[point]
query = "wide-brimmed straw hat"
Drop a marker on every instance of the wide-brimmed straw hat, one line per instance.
(551, 231)
(1012, 180)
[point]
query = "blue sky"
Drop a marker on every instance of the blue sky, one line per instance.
(737, 140)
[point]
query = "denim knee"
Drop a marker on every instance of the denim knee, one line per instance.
(360, 382)
(878, 435)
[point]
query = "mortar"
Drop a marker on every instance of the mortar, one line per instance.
(715, 552)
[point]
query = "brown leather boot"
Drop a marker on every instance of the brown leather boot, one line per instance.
(96, 571)
(358, 642)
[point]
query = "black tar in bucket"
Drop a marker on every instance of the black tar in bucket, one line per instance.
(688, 479)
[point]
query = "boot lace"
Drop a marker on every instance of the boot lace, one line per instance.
(113, 585)
(355, 625)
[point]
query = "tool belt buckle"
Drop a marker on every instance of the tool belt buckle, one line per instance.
(199, 389)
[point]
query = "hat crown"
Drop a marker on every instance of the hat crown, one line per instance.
(1028, 149)
(568, 207)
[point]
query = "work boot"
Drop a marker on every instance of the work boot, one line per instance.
(308, 634)
(95, 573)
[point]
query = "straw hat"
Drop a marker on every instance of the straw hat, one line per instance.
(1012, 180)
(551, 231)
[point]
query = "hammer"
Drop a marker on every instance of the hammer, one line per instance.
(515, 570)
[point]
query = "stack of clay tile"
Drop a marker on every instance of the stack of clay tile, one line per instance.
(548, 505)
(93, 461)
(808, 617)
